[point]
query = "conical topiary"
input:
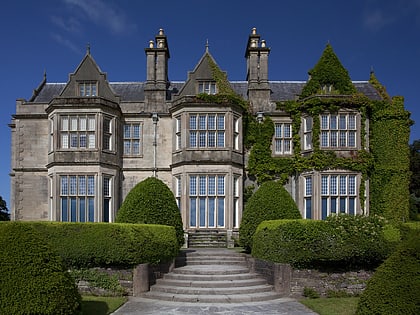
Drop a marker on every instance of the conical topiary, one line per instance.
(152, 202)
(270, 202)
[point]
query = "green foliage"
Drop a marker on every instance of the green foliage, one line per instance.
(340, 241)
(99, 279)
(83, 245)
(270, 202)
(415, 180)
(328, 71)
(394, 287)
(152, 202)
(33, 278)
(310, 293)
(4, 214)
(390, 178)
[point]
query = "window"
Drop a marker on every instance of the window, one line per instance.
(338, 131)
(77, 198)
(88, 88)
(236, 126)
(338, 194)
(178, 190)
(132, 138)
(207, 87)
(236, 201)
(107, 133)
(207, 201)
(51, 140)
(308, 197)
(77, 131)
(106, 215)
(307, 133)
(207, 130)
(283, 138)
(178, 133)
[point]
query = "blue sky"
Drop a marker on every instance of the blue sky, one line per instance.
(52, 36)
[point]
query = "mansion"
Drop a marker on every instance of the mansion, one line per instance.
(79, 147)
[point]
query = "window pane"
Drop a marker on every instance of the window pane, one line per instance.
(82, 185)
(64, 210)
(220, 185)
(211, 211)
(343, 185)
(202, 122)
(324, 138)
(136, 131)
(64, 185)
(277, 146)
(92, 123)
(287, 130)
(308, 208)
(212, 139)
(352, 185)
(202, 185)
(352, 205)
(73, 140)
(333, 139)
(343, 205)
(91, 209)
(324, 185)
(82, 209)
(220, 139)
(343, 138)
(212, 122)
(136, 147)
(91, 141)
(333, 122)
(343, 125)
(193, 139)
(64, 123)
(73, 123)
(202, 139)
(127, 131)
(308, 186)
(91, 185)
(193, 211)
(82, 123)
(277, 131)
(220, 122)
(333, 185)
(193, 122)
(212, 185)
(324, 208)
(352, 139)
(324, 122)
(73, 209)
(202, 206)
(82, 141)
(73, 185)
(352, 122)
(64, 140)
(220, 211)
(333, 205)
(193, 185)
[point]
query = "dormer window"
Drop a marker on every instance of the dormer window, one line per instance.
(207, 87)
(89, 88)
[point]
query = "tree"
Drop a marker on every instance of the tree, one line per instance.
(4, 212)
(415, 180)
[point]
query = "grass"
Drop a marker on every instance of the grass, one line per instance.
(332, 306)
(101, 305)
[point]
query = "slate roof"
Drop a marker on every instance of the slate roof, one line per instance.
(134, 91)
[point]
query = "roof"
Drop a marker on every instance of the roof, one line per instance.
(134, 91)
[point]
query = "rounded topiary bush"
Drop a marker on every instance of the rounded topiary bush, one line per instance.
(152, 202)
(33, 279)
(394, 287)
(270, 202)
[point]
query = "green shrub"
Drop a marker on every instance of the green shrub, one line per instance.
(270, 202)
(83, 245)
(310, 293)
(33, 279)
(152, 202)
(343, 241)
(394, 287)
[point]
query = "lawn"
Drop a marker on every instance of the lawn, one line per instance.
(101, 305)
(332, 306)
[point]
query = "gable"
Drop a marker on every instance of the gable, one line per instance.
(89, 76)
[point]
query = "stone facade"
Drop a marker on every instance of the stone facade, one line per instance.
(79, 147)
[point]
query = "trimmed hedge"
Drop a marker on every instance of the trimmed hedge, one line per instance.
(341, 241)
(33, 277)
(152, 202)
(103, 244)
(270, 202)
(394, 287)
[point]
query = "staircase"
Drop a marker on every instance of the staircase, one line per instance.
(211, 276)
(207, 239)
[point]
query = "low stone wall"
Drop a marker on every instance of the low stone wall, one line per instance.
(134, 281)
(291, 282)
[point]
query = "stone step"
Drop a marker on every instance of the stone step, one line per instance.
(211, 270)
(210, 277)
(252, 281)
(212, 291)
(216, 298)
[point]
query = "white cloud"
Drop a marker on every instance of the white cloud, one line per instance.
(71, 24)
(65, 42)
(376, 20)
(103, 14)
